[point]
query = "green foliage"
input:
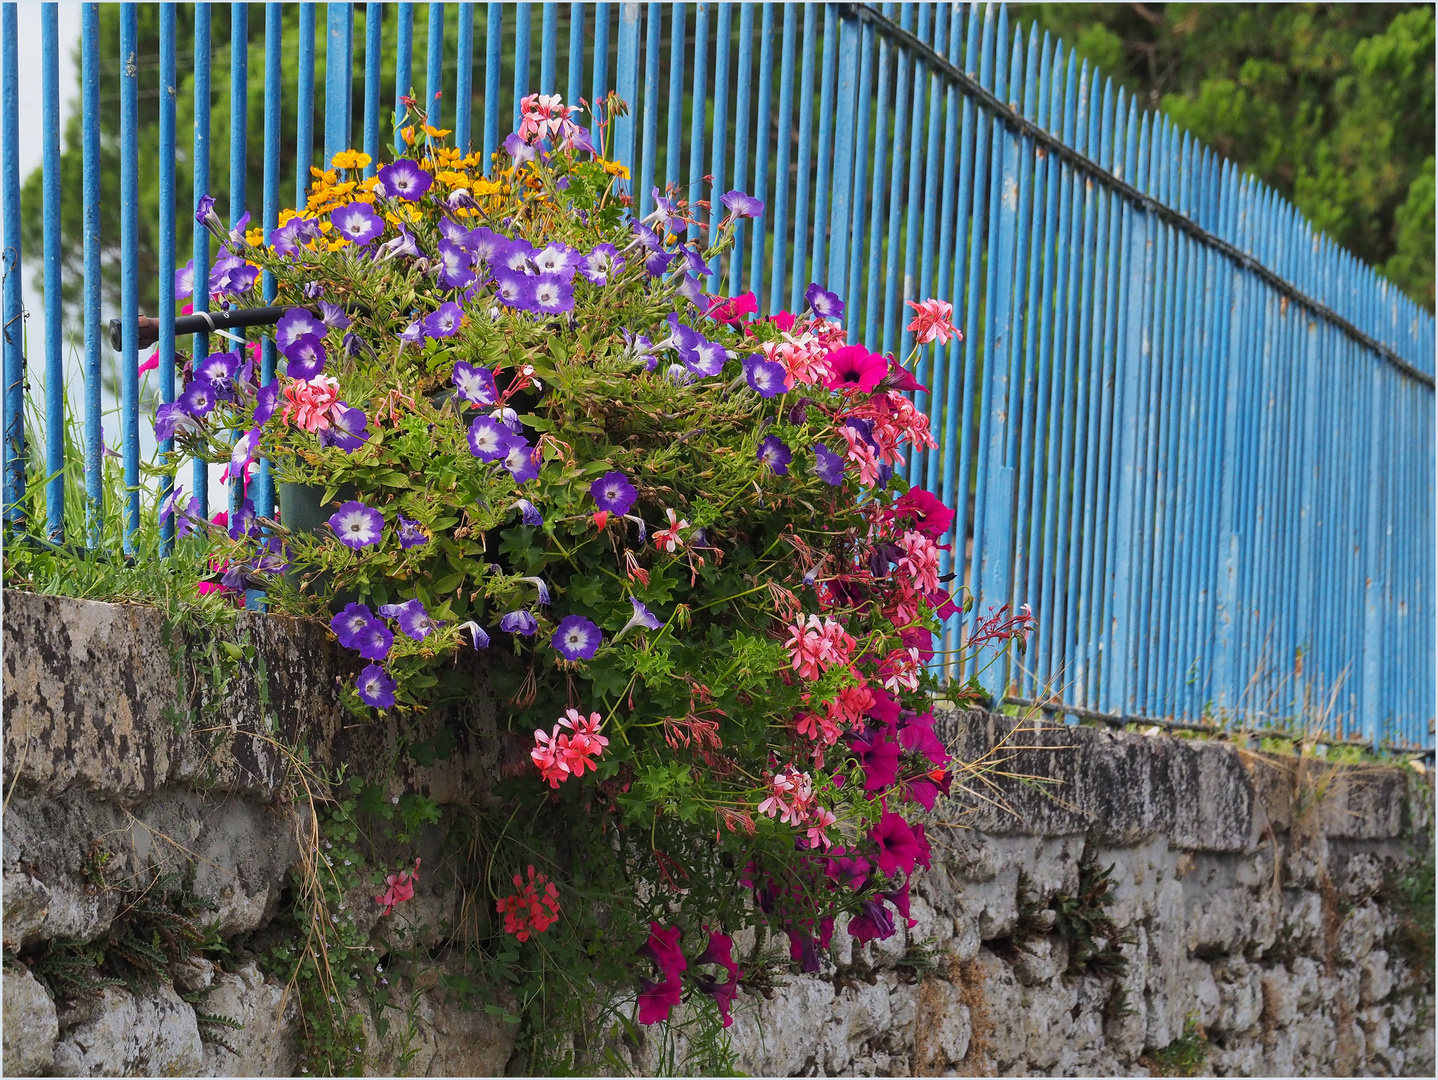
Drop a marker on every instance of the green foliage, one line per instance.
(1185, 1056)
(1331, 104)
(1413, 897)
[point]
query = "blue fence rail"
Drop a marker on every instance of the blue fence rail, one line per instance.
(1186, 428)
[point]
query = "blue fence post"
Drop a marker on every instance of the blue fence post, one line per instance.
(373, 40)
(239, 129)
(54, 329)
(200, 298)
(304, 104)
(434, 67)
(339, 59)
(13, 329)
(403, 71)
(464, 79)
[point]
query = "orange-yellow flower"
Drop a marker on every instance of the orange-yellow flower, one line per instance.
(350, 159)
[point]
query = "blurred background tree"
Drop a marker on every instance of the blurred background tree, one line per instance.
(1330, 104)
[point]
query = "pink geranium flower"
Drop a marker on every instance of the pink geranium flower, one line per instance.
(311, 402)
(401, 888)
(933, 321)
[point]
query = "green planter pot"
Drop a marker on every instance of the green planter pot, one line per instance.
(302, 511)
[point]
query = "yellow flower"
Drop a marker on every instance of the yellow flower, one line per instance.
(613, 168)
(453, 179)
(369, 183)
(484, 187)
(435, 133)
(351, 159)
(408, 134)
(255, 236)
(330, 177)
(287, 215)
(335, 245)
(404, 213)
(342, 189)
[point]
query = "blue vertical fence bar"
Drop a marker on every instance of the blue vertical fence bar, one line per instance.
(13, 329)
(403, 69)
(464, 79)
(339, 56)
(373, 39)
(1142, 435)
(434, 67)
(166, 307)
(54, 344)
(201, 247)
(239, 129)
(304, 103)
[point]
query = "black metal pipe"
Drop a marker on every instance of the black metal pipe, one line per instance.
(199, 323)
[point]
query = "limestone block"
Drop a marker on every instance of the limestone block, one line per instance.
(36, 911)
(1360, 932)
(268, 1043)
(943, 1029)
(118, 1034)
(31, 1026)
(1375, 977)
(1040, 961)
(1240, 995)
(1305, 982)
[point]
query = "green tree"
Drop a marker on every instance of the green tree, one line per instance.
(1330, 104)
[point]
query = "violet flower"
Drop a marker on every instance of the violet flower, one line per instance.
(349, 622)
(489, 440)
(411, 533)
(373, 641)
(765, 377)
(557, 258)
(376, 689)
(358, 223)
(613, 493)
(444, 321)
(403, 244)
(828, 466)
(528, 514)
(349, 428)
(333, 316)
(477, 634)
(403, 179)
(519, 460)
(519, 622)
(742, 205)
(576, 638)
(553, 295)
(242, 522)
(823, 303)
(306, 357)
(294, 324)
(414, 621)
(516, 255)
(454, 266)
(601, 265)
(171, 420)
(185, 280)
(198, 399)
(357, 525)
(774, 453)
(642, 617)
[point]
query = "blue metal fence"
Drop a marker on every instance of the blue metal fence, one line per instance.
(1186, 428)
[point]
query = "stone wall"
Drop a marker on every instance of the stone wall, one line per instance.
(1251, 896)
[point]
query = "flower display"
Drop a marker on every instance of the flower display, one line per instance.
(680, 530)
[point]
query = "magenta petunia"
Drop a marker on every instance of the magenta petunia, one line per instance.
(873, 921)
(657, 1000)
(900, 845)
(663, 948)
(879, 755)
(855, 367)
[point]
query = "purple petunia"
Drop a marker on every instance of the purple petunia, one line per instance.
(742, 205)
(553, 295)
(658, 262)
(513, 288)
(411, 533)
(489, 440)
(205, 209)
(242, 521)
(349, 428)
(413, 619)
(444, 321)
(373, 641)
(516, 255)
(172, 419)
(576, 638)
(349, 622)
(823, 302)
(403, 179)
(458, 235)
(474, 384)
(828, 466)
(601, 265)
(488, 244)
(357, 525)
(333, 316)
(306, 357)
(642, 617)
(519, 150)
(765, 377)
(266, 399)
(519, 460)
(613, 493)
(774, 453)
(519, 622)
(218, 370)
(245, 450)
(198, 399)
(705, 359)
(294, 324)
(185, 280)
(455, 269)
(358, 223)
(376, 689)
(557, 258)
(528, 513)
